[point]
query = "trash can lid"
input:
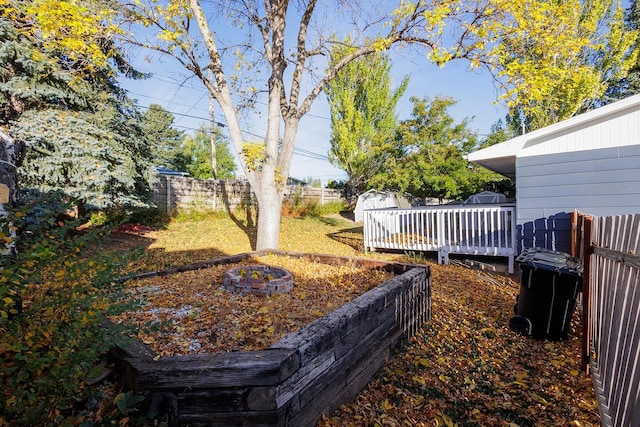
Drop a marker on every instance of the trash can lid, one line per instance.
(550, 260)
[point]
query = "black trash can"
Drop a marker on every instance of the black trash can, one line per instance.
(549, 285)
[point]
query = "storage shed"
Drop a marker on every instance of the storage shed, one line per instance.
(589, 162)
(376, 199)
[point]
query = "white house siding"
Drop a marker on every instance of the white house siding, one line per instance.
(590, 162)
(618, 129)
(604, 181)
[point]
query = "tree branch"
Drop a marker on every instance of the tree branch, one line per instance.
(302, 54)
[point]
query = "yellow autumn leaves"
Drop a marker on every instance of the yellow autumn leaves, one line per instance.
(193, 314)
(550, 58)
(71, 28)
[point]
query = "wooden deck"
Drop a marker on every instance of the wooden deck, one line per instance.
(486, 230)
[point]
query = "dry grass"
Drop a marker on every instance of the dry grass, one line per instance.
(465, 368)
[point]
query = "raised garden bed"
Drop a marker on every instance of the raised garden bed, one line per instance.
(298, 378)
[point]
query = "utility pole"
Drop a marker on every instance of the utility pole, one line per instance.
(212, 124)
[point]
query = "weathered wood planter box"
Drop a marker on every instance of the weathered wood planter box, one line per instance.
(296, 380)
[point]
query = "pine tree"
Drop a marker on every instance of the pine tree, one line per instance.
(194, 155)
(164, 139)
(83, 134)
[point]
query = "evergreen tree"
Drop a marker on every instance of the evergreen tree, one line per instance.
(82, 132)
(30, 80)
(164, 139)
(101, 159)
(194, 155)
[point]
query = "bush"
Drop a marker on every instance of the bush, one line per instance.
(327, 209)
(298, 208)
(114, 217)
(53, 299)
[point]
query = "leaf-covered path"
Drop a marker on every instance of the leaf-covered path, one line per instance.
(468, 368)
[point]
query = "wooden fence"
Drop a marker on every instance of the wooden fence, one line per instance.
(610, 248)
(488, 230)
(173, 193)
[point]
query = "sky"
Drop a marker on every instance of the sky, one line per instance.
(171, 87)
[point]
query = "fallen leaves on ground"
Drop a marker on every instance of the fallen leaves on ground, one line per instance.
(192, 313)
(467, 368)
(186, 242)
(137, 229)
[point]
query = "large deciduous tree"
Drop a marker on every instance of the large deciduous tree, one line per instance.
(281, 40)
(627, 85)
(363, 118)
(561, 56)
(428, 157)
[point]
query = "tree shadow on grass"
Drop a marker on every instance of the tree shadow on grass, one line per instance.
(246, 221)
(142, 258)
(349, 236)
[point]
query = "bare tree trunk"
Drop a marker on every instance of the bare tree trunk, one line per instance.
(269, 207)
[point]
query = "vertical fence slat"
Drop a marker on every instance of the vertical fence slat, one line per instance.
(585, 249)
(613, 315)
(628, 323)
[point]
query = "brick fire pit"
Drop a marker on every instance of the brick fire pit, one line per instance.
(260, 280)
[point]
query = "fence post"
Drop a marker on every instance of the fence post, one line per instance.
(575, 234)
(587, 250)
(439, 238)
(514, 239)
(169, 195)
(215, 193)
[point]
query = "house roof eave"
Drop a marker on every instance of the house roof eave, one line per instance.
(501, 158)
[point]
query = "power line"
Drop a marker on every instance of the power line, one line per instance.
(175, 82)
(187, 115)
(194, 106)
(300, 151)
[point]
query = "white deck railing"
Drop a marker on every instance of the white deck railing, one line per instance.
(488, 230)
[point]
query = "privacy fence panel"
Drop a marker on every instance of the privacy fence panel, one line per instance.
(173, 193)
(614, 311)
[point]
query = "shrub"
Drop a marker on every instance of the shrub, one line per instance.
(327, 209)
(294, 210)
(297, 208)
(53, 299)
(143, 216)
